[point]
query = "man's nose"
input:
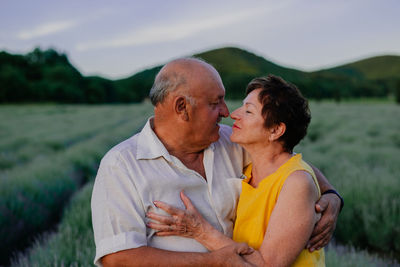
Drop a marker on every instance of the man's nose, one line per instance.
(224, 111)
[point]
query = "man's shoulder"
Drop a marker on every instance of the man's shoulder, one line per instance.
(225, 132)
(121, 150)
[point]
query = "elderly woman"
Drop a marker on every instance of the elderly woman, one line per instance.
(275, 214)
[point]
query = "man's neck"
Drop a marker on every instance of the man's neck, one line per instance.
(174, 142)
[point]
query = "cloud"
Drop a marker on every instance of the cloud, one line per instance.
(172, 32)
(47, 29)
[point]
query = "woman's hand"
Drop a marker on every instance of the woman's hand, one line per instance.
(187, 223)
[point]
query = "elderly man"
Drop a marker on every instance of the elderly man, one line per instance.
(181, 148)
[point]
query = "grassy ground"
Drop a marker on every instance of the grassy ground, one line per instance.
(47, 153)
(357, 147)
(354, 144)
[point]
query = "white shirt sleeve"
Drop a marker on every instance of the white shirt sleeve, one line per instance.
(118, 214)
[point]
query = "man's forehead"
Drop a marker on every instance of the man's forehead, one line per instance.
(210, 92)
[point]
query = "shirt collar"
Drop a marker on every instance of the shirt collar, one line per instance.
(149, 145)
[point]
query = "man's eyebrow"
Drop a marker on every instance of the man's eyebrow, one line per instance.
(220, 97)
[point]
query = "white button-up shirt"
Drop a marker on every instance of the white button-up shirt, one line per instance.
(140, 170)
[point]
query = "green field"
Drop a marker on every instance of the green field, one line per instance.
(49, 151)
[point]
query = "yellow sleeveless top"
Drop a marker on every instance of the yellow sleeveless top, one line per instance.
(256, 205)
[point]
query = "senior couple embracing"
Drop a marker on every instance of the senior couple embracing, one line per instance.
(187, 191)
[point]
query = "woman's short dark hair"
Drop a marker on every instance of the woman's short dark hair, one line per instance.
(282, 102)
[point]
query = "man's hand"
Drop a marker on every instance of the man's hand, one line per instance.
(231, 255)
(329, 206)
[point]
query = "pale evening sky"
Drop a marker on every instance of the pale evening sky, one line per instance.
(117, 38)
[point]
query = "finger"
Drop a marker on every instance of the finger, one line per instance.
(160, 218)
(318, 208)
(186, 201)
(322, 243)
(243, 249)
(320, 235)
(321, 226)
(167, 208)
(247, 251)
(316, 240)
(160, 227)
(322, 204)
(318, 217)
(160, 233)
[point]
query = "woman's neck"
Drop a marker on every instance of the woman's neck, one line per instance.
(266, 160)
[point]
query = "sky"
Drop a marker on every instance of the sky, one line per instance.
(115, 39)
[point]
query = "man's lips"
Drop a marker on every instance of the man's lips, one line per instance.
(235, 126)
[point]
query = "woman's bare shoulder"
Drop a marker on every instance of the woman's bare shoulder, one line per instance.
(301, 181)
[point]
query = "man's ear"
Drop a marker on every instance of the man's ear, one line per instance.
(277, 131)
(180, 107)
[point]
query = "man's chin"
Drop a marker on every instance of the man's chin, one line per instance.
(215, 135)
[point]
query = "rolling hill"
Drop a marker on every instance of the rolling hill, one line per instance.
(374, 68)
(48, 76)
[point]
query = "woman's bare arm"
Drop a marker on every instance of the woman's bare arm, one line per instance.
(291, 222)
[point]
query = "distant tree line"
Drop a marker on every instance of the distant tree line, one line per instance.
(48, 76)
(320, 86)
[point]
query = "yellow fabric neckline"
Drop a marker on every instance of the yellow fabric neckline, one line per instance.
(284, 166)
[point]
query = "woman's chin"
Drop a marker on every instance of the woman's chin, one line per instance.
(234, 138)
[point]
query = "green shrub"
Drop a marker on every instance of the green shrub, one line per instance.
(33, 193)
(345, 256)
(72, 244)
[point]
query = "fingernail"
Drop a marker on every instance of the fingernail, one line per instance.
(155, 203)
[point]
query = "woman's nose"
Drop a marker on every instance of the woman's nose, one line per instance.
(234, 114)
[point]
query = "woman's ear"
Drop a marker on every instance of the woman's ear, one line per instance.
(277, 131)
(180, 107)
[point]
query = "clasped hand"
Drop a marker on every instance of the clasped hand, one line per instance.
(186, 223)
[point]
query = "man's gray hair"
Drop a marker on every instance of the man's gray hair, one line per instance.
(168, 81)
(165, 83)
